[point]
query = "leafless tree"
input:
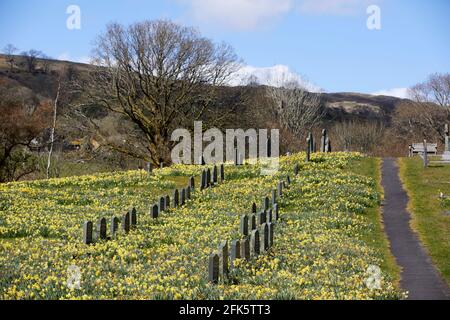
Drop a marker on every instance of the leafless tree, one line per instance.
(420, 120)
(297, 109)
(429, 109)
(158, 75)
(435, 90)
(9, 50)
(354, 135)
(30, 59)
(23, 120)
(46, 63)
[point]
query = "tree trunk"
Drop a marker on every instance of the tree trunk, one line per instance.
(52, 132)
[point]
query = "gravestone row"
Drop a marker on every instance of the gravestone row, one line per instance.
(311, 144)
(208, 179)
(257, 235)
(128, 221)
(179, 198)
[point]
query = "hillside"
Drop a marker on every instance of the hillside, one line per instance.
(340, 106)
(250, 109)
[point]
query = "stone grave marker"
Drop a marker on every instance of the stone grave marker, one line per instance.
(87, 232)
(213, 274)
(243, 227)
(223, 259)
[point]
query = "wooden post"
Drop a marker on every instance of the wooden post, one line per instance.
(425, 154)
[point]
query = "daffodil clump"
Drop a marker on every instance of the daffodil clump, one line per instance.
(318, 252)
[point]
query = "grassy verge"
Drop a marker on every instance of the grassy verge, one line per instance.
(371, 167)
(429, 216)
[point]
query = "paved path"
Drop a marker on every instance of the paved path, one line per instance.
(419, 276)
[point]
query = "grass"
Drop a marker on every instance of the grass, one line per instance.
(324, 244)
(429, 218)
(371, 167)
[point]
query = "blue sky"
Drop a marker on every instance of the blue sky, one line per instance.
(326, 41)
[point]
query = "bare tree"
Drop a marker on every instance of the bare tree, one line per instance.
(30, 58)
(20, 126)
(419, 120)
(159, 75)
(429, 109)
(297, 109)
(9, 50)
(52, 130)
(362, 136)
(435, 90)
(46, 63)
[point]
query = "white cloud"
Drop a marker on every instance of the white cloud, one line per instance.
(394, 92)
(237, 14)
(276, 75)
(334, 7)
(65, 56)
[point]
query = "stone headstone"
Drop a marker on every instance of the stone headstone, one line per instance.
(126, 222)
(213, 266)
(235, 251)
(133, 218)
(87, 232)
(161, 165)
(203, 180)
(253, 207)
(296, 168)
(254, 243)
(261, 217)
(114, 227)
(322, 140)
(264, 237)
(183, 197)
(245, 248)
(308, 149)
(243, 226)
(222, 173)
(167, 202)
(447, 139)
(176, 198)
(265, 203)
(269, 215)
(275, 212)
(162, 202)
(223, 259)
(271, 229)
(425, 154)
(288, 180)
(253, 222)
(101, 228)
(274, 196)
(327, 145)
(208, 177)
(215, 175)
(311, 142)
(188, 193)
(279, 189)
(192, 183)
(155, 211)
